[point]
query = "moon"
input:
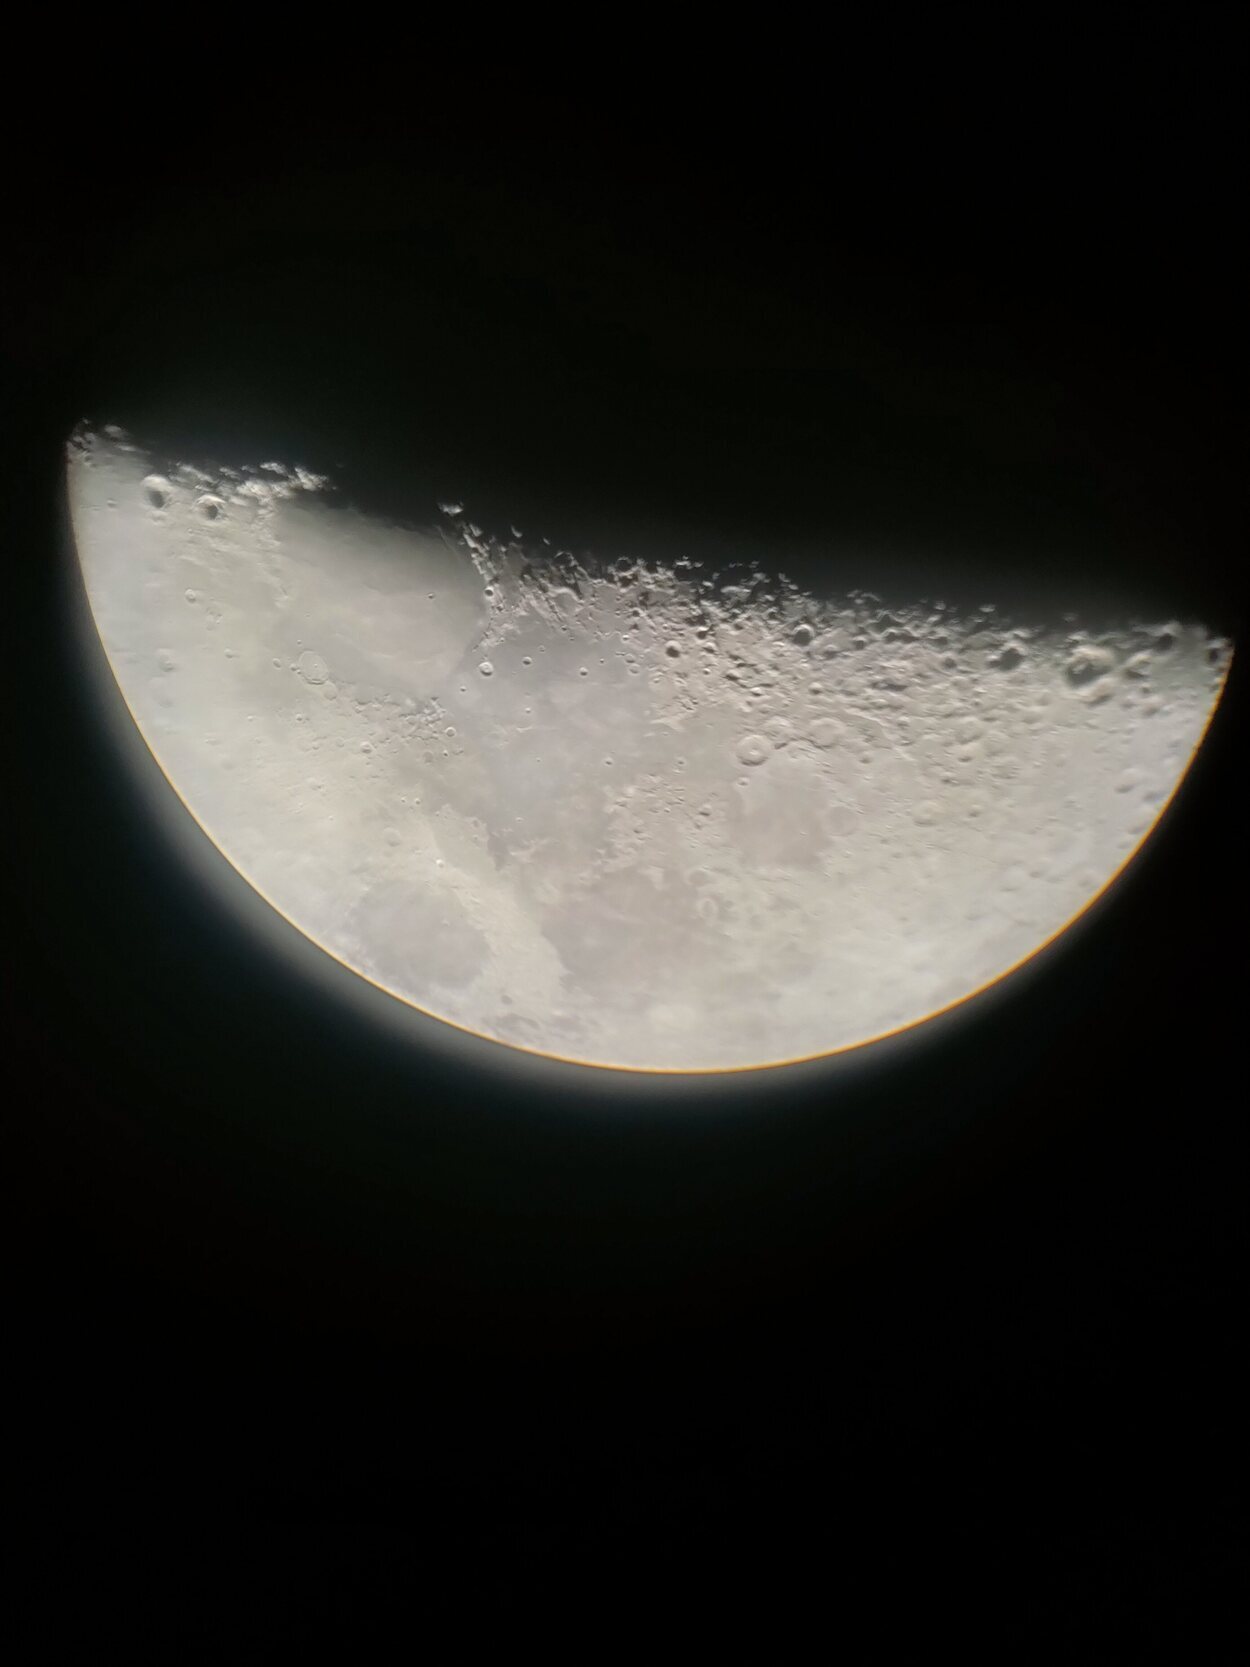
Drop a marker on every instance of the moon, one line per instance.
(644, 814)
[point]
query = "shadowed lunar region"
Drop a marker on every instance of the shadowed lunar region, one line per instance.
(648, 815)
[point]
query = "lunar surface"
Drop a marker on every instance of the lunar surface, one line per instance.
(644, 815)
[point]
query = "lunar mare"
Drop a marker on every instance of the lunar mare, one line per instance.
(646, 815)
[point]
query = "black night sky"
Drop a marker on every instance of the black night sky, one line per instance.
(315, 1337)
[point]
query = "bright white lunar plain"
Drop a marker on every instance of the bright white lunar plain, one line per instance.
(653, 817)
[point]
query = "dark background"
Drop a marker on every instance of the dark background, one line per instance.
(307, 1329)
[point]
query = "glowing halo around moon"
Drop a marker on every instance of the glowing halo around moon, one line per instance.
(645, 816)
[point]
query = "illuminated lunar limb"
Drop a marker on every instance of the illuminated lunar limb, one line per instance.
(643, 815)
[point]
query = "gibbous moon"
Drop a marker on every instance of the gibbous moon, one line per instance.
(650, 816)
